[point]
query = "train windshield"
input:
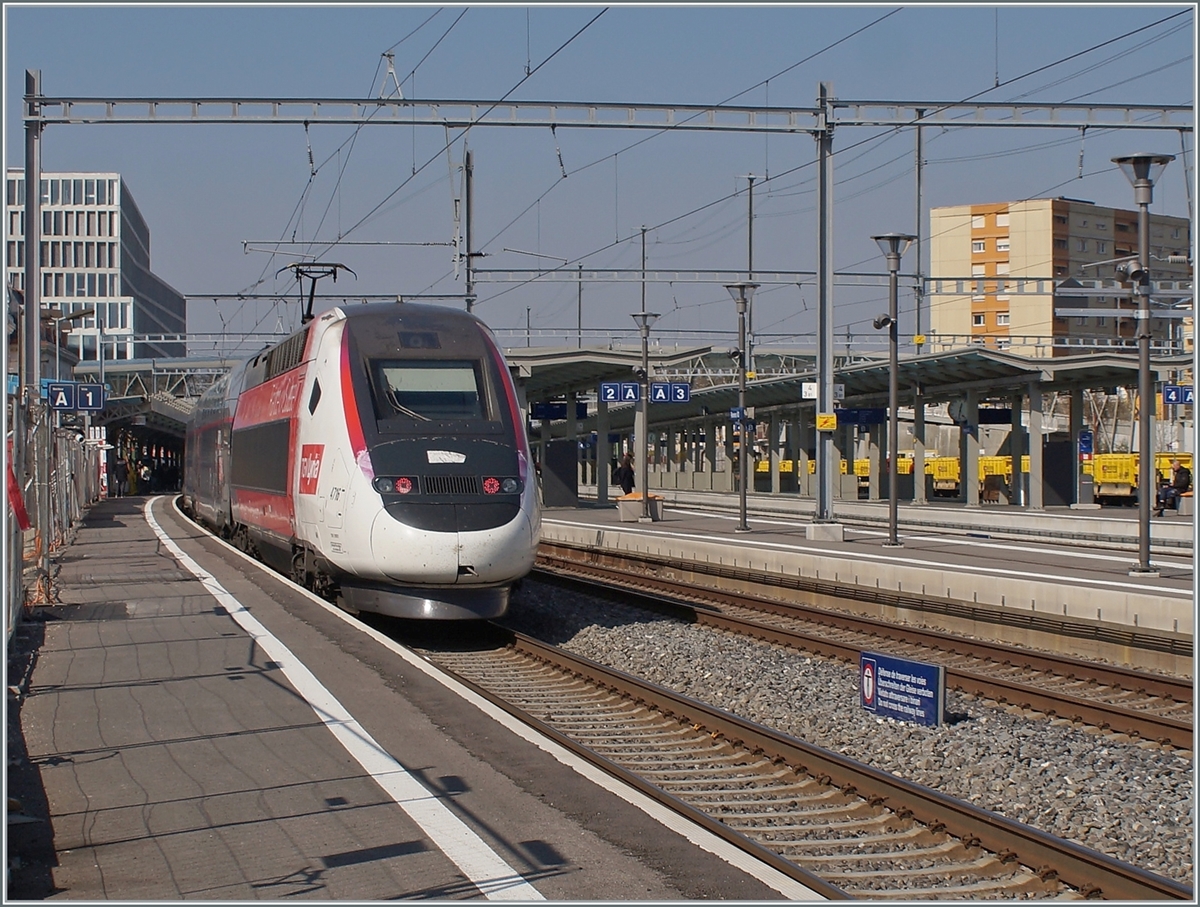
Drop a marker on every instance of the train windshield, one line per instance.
(431, 391)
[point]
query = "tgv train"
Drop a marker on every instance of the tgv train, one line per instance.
(378, 457)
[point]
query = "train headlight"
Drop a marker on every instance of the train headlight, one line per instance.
(510, 486)
(496, 485)
(390, 485)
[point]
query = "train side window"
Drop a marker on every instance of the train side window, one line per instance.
(314, 398)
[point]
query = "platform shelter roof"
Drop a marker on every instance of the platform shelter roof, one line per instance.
(941, 377)
(549, 372)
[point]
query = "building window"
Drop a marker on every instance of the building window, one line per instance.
(1002, 220)
(977, 270)
(1002, 318)
(1002, 267)
(1060, 218)
(978, 320)
(1101, 225)
(978, 222)
(979, 245)
(1082, 247)
(1002, 245)
(1101, 246)
(1060, 243)
(1175, 233)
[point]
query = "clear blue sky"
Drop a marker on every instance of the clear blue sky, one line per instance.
(206, 190)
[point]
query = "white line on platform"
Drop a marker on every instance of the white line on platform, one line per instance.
(1051, 548)
(478, 862)
(701, 837)
(904, 560)
(1056, 550)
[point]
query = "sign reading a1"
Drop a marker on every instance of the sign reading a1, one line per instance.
(90, 396)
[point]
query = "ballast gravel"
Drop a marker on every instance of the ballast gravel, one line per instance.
(1133, 801)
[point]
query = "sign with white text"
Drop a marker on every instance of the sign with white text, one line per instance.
(902, 689)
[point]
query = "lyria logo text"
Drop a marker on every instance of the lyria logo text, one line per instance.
(310, 467)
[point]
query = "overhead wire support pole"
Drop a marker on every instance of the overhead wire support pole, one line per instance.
(468, 175)
(25, 444)
(825, 448)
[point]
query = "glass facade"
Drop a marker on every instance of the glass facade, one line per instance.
(95, 254)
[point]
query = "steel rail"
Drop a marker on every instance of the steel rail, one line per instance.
(1106, 716)
(1090, 871)
(720, 829)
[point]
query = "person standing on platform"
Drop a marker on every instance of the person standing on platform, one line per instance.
(1181, 481)
(624, 474)
(121, 477)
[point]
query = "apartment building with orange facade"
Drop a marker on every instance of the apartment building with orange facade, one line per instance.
(1051, 239)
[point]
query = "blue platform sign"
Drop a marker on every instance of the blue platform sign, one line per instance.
(861, 416)
(902, 689)
(660, 392)
(61, 394)
(681, 392)
(610, 392)
(737, 414)
(1175, 394)
(89, 397)
(631, 392)
(1085, 441)
(14, 384)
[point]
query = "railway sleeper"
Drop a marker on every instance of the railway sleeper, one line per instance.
(915, 843)
(945, 863)
(1016, 884)
(851, 815)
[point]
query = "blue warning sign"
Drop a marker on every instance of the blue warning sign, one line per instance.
(902, 689)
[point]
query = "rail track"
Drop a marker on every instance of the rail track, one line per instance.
(843, 828)
(1151, 706)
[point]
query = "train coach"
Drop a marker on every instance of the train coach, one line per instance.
(376, 456)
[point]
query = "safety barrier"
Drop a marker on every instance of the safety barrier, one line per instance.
(55, 477)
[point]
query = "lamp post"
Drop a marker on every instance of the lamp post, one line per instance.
(742, 293)
(1142, 170)
(893, 245)
(642, 435)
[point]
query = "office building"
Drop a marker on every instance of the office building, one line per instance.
(95, 248)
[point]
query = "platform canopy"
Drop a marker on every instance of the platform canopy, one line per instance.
(550, 372)
(940, 377)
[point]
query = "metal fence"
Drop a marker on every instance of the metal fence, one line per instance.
(57, 472)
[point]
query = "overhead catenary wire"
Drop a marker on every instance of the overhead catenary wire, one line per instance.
(874, 139)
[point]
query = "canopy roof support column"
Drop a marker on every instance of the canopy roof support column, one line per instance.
(1036, 448)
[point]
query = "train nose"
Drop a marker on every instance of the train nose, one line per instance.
(406, 554)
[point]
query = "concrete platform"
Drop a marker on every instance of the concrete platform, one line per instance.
(1073, 564)
(186, 725)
